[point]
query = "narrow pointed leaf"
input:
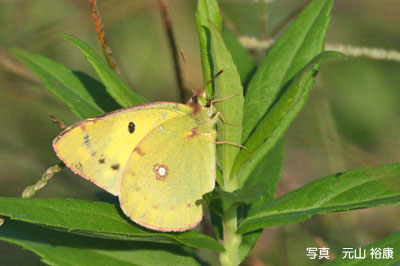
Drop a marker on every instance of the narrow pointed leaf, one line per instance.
(60, 248)
(98, 91)
(243, 61)
(354, 189)
(276, 122)
(227, 85)
(64, 83)
(96, 219)
(267, 176)
(116, 87)
(207, 12)
(301, 42)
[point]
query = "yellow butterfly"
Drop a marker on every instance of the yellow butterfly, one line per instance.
(158, 158)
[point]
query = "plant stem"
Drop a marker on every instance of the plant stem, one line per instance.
(102, 37)
(173, 47)
(232, 240)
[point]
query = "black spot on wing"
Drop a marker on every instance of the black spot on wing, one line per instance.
(102, 161)
(131, 127)
(115, 166)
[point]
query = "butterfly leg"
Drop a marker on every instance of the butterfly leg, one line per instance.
(234, 144)
(219, 115)
(222, 99)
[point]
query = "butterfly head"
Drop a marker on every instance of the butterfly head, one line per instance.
(199, 100)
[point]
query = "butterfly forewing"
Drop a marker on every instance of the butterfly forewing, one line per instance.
(99, 148)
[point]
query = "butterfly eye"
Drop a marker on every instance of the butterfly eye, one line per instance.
(195, 99)
(208, 102)
(131, 127)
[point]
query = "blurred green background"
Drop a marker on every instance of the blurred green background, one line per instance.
(352, 118)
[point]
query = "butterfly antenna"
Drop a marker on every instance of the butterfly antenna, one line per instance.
(212, 79)
(187, 70)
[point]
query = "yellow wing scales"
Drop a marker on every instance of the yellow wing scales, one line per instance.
(168, 172)
(98, 149)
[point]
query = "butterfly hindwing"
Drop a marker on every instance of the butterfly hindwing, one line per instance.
(168, 172)
(99, 148)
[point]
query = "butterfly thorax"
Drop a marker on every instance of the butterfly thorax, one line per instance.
(204, 122)
(202, 113)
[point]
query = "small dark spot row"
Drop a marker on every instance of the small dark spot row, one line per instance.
(78, 166)
(86, 140)
(113, 166)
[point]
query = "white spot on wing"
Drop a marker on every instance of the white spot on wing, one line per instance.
(165, 115)
(161, 171)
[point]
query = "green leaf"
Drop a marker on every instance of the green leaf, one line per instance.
(98, 92)
(266, 176)
(354, 189)
(64, 83)
(216, 221)
(115, 86)
(259, 189)
(221, 200)
(243, 61)
(96, 219)
(276, 122)
(59, 248)
(207, 11)
(301, 42)
(227, 85)
(249, 240)
(392, 241)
